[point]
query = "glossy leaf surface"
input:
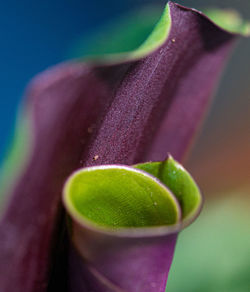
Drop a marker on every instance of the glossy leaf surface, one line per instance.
(118, 197)
(179, 181)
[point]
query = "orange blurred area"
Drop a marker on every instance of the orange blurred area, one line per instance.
(220, 159)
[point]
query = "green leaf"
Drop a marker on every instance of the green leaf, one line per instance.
(118, 196)
(179, 181)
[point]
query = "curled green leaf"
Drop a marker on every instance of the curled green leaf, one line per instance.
(117, 196)
(123, 216)
(179, 181)
(146, 195)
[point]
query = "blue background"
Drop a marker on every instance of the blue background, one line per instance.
(38, 34)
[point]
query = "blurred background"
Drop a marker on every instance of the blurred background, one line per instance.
(214, 253)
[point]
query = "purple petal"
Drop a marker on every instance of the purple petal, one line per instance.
(140, 264)
(63, 103)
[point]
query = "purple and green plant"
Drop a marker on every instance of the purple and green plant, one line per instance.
(121, 109)
(125, 221)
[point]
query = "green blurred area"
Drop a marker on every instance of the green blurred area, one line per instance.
(213, 254)
(128, 33)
